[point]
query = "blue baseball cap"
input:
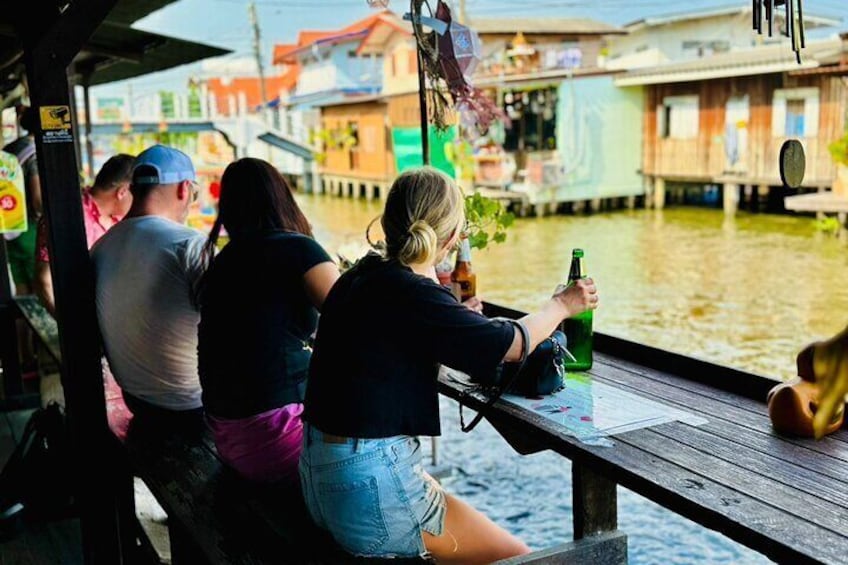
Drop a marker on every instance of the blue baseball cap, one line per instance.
(162, 165)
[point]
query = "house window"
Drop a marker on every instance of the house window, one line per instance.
(412, 61)
(678, 117)
(794, 126)
(795, 112)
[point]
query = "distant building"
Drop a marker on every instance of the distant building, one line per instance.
(230, 96)
(720, 120)
(696, 34)
(330, 66)
(539, 71)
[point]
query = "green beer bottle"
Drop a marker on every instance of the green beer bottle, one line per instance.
(578, 329)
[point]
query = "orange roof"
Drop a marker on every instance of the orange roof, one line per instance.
(284, 53)
(250, 87)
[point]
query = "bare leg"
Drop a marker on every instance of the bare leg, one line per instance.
(471, 537)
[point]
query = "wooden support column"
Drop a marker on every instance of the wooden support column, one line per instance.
(595, 502)
(50, 43)
(308, 179)
(89, 144)
(12, 385)
(730, 198)
(659, 193)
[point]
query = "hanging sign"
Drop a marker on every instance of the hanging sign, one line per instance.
(56, 124)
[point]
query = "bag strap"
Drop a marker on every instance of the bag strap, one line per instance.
(525, 338)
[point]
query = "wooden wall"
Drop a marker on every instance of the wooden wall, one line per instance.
(703, 158)
(371, 158)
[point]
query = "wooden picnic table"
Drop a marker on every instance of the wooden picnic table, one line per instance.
(786, 498)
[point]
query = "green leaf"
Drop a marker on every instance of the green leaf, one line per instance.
(499, 237)
(478, 240)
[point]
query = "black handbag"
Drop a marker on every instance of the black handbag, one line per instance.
(535, 374)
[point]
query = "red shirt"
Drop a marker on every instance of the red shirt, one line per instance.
(94, 229)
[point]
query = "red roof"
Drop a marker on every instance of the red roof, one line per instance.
(285, 53)
(222, 89)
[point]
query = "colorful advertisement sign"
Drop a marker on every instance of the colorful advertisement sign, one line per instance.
(407, 148)
(13, 216)
(110, 109)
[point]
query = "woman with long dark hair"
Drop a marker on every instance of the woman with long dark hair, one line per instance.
(259, 302)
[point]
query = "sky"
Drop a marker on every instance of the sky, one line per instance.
(225, 23)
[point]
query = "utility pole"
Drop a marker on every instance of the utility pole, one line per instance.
(257, 53)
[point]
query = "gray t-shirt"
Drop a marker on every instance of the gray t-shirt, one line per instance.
(147, 269)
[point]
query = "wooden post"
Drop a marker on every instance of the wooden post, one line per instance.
(89, 145)
(659, 193)
(648, 186)
(730, 198)
(50, 43)
(594, 501)
(12, 385)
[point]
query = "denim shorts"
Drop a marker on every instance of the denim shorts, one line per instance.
(372, 495)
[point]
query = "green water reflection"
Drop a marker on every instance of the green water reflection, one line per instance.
(746, 292)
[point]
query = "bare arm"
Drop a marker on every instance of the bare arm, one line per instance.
(318, 281)
(44, 286)
(34, 188)
(570, 301)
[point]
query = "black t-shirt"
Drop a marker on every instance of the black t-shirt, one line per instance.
(256, 324)
(384, 331)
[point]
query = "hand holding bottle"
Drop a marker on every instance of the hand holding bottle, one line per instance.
(577, 297)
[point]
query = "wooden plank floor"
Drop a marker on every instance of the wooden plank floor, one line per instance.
(54, 543)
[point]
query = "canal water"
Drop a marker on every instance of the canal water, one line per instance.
(746, 292)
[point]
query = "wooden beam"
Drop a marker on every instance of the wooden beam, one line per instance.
(89, 144)
(595, 502)
(61, 40)
(12, 385)
(602, 549)
(47, 55)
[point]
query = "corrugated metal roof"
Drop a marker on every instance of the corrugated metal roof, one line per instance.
(129, 11)
(568, 26)
(759, 60)
(810, 20)
(117, 52)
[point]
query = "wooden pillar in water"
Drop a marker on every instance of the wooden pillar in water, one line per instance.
(659, 193)
(595, 502)
(730, 198)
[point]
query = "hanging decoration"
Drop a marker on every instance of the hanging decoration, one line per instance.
(378, 4)
(449, 54)
(766, 11)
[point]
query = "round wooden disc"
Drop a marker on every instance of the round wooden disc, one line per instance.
(792, 163)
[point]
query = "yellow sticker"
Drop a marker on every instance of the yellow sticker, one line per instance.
(55, 117)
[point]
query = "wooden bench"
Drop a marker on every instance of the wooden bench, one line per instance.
(786, 498)
(213, 516)
(216, 518)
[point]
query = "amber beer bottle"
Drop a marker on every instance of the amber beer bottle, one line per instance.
(463, 279)
(578, 329)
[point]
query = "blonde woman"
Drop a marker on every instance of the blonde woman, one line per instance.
(385, 327)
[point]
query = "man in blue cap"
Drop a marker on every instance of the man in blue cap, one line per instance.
(147, 268)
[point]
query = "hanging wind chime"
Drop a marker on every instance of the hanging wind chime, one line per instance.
(792, 161)
(766, 11)
(449, 52)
